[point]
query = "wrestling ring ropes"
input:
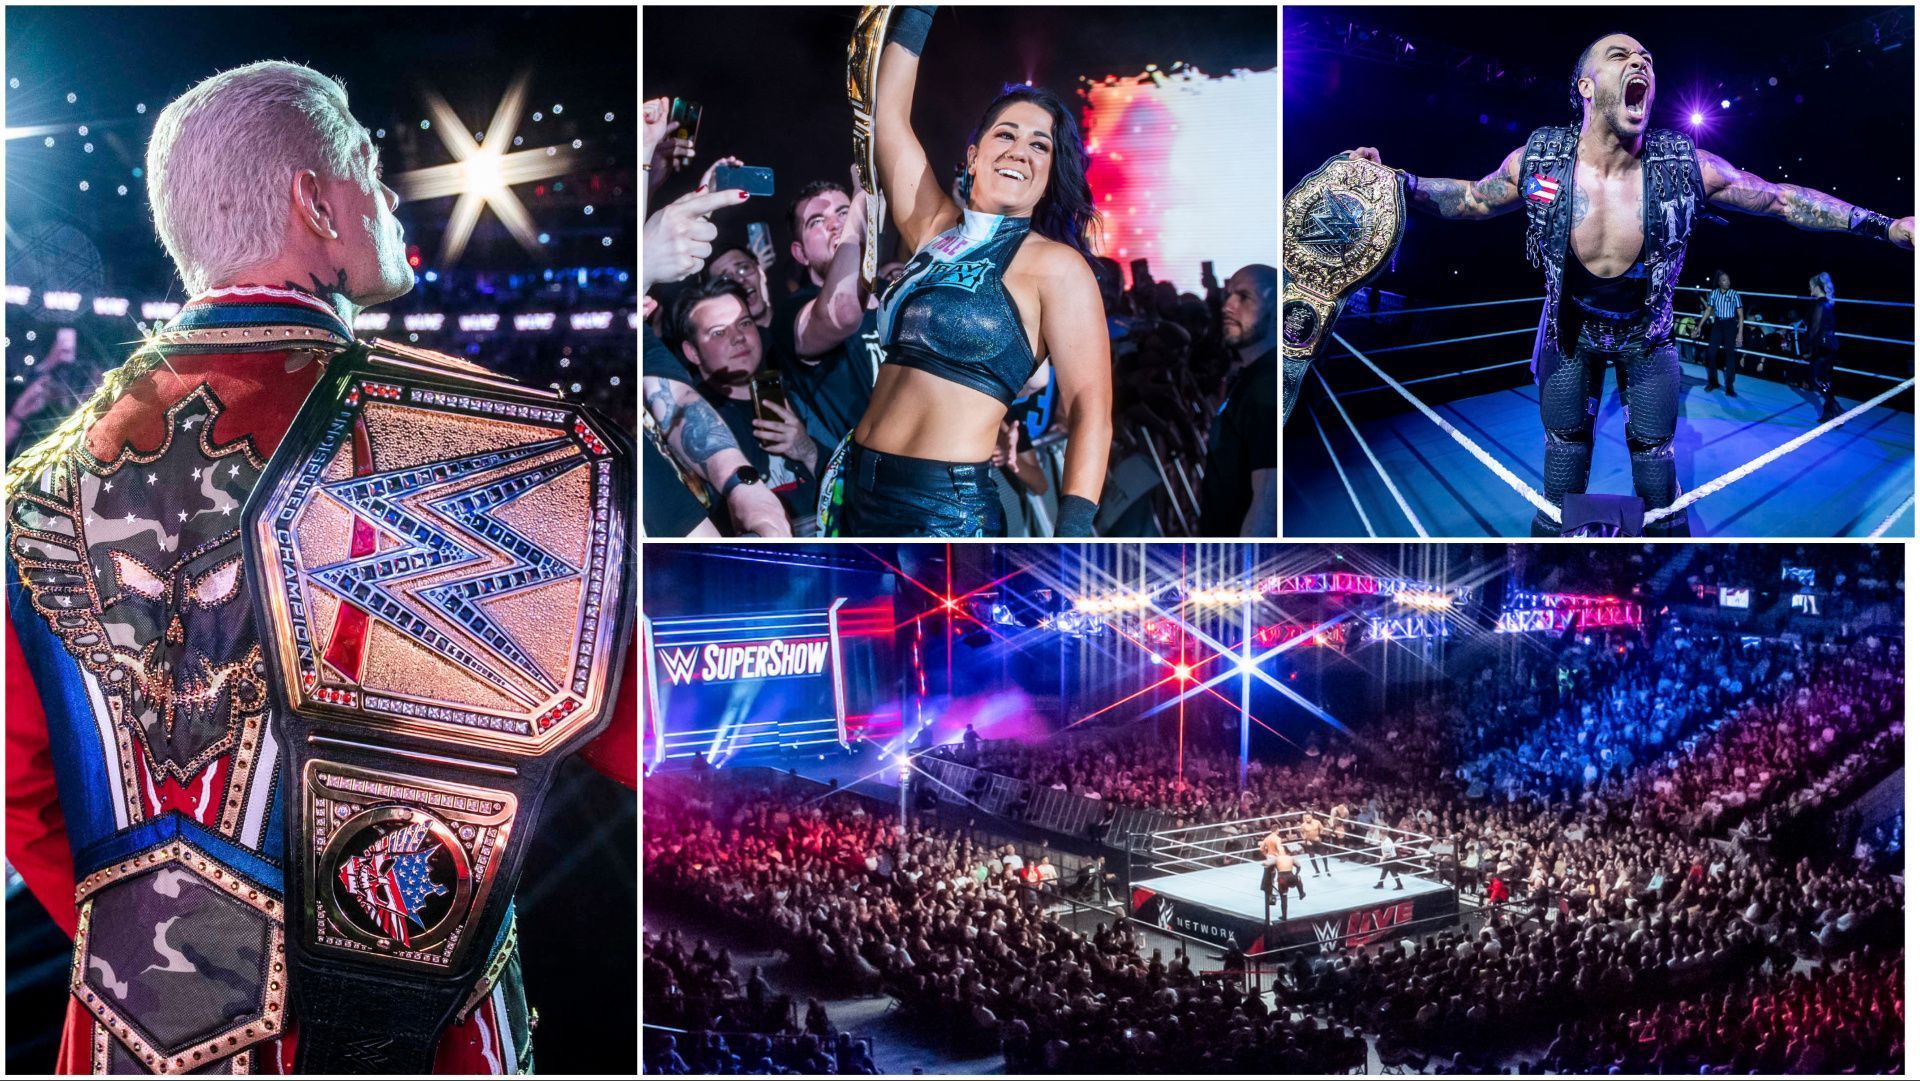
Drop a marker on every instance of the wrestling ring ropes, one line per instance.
(1521, 489)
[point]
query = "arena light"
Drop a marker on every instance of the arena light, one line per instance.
(372, 320)
(482, 174)
(159, 309)
(633, 320)
(481, 323)
(1166, 155)
(591, 320)
(1425, 600)
(19, 294)
(110, 306)
(60, 301)
(424, 321)
(533, 321)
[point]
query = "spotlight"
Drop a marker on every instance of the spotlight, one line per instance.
(1725, 104)
(1696, 119)
(1183, 672)
(1246, 667)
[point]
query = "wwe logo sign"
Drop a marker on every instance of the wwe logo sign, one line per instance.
(1163, 913)
(771, 659)
(679, 664)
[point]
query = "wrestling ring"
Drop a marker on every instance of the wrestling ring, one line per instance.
(1471, 465)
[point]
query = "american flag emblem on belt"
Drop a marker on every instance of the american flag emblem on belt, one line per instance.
(1541, 189)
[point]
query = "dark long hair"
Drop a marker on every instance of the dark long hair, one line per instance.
(1065, 213)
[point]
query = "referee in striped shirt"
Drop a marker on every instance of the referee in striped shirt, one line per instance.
(1726, 331)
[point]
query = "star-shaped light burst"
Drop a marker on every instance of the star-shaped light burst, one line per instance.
(484, 175)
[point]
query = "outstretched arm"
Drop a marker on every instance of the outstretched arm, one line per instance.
(915, 197)
(1734, 188)
(1489, 197)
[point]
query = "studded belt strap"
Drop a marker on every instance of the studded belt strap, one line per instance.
(441, 573)
(1341, 225)
(863, 78)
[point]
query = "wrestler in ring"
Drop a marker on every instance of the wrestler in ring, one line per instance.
(1609, 206)
(998, 284)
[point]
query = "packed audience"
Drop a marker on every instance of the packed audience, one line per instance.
(1643, 820)
(705, 1017)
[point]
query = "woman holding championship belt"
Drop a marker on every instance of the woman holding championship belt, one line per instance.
(998, 284)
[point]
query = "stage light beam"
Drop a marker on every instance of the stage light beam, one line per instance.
(481, 175)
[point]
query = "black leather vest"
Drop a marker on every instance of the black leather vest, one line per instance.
(1671, 193)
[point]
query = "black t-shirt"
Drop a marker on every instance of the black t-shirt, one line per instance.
(798, 491)
(667, 509)
(1243, 439)
(834, 386)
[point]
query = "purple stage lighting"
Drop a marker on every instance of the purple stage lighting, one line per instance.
(1696, 119)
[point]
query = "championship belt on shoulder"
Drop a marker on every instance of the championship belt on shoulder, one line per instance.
(1342, 224)
(863, 74)
(444, 589)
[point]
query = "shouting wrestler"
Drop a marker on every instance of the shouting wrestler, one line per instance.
(1609, 206)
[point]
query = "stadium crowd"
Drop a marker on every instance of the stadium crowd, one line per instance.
(1645, 823)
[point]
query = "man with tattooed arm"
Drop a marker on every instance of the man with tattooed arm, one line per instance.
(1609, 207)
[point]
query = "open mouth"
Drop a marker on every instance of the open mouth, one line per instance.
(1634, 97)
(1012, 174)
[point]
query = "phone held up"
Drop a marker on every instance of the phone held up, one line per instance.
(686, 119)
(752, 179)
(766, 387)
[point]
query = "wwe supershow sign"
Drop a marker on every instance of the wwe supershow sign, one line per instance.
(716, 663)
(721, 685)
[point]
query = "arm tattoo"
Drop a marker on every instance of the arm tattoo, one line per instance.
(1495, 191)
(660, 403)
(1483, 198)
(1803, 208)
(705, 434)
(1445, 198)
(1582, 205)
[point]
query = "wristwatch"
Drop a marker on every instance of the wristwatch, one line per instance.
(746, 474)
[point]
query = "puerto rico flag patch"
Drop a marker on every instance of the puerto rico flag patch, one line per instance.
(1541, 189)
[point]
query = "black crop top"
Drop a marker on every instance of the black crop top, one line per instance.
(950, 314)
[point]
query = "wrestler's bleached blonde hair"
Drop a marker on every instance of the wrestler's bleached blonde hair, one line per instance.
(222, 157)
(219, 171)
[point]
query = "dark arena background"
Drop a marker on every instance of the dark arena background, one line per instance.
(1176, 108)
(85, 276)
(1818, 96)
(1553, 808)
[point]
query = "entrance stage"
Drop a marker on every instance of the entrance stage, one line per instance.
(1223, 905)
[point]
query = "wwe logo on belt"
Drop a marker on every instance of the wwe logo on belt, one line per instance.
(393, 878)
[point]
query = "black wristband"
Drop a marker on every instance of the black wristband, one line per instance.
(1076, 517)
(1869, 224)
(909, 27)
